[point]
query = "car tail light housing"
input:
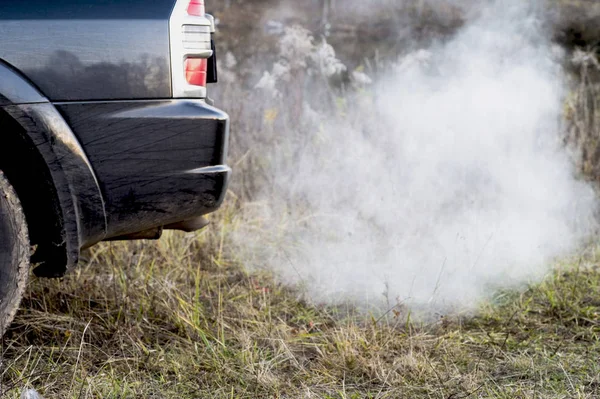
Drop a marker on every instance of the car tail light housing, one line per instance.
(190, 38)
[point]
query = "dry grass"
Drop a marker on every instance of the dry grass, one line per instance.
(582, 111)
(181, 318)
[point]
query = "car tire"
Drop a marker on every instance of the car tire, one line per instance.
(14, 253)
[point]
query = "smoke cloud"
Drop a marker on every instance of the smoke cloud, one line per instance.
(432, 181)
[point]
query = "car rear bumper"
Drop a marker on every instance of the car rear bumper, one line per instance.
(157, 162)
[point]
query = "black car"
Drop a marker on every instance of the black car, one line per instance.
(106, 130)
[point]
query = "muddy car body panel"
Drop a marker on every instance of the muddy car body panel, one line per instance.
(158, 162)
(35, 123)
(90, 116)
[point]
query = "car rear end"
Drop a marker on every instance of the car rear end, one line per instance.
(161, 162)
(114, 97)
(107, 130)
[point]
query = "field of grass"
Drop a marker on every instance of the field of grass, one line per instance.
(182, 318)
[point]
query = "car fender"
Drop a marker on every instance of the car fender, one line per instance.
(83, 216)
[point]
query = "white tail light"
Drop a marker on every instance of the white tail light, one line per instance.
(190, 37)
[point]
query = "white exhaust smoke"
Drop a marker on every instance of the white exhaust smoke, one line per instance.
(439, 182)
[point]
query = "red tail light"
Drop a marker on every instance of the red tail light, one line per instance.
(195, 71)
(196, 7)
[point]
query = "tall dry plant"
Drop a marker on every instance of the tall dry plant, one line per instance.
(582, 113)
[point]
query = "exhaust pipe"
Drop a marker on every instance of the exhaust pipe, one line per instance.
(189, 225)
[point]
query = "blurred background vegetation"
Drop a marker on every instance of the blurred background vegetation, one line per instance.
(365, 40)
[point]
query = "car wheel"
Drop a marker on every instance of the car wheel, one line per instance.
(14, 253)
